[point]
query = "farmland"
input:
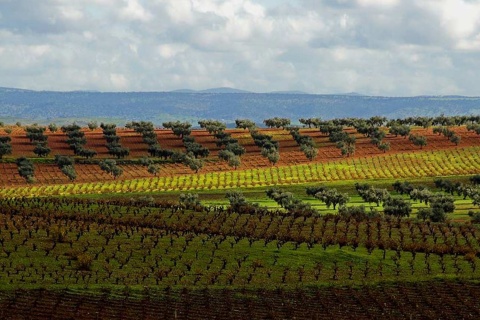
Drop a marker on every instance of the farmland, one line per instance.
(401, 156)
(250, 240)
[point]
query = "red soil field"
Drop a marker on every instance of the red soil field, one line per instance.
(290, 153)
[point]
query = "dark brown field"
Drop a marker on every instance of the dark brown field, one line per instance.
(432, 300)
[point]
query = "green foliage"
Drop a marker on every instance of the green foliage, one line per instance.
(153, 169)
(92, 125)
(340, 136)
(234, 162)
(52, 127)
(263, 140)
(69, 171)
(402, 130)
(196, 149)
(26, 169)
(189, 200)
(232, 159)
(424, 195)
(315, 122)
(359, 213)
(36, 134)
(302, 139)
(5, 146)
(76, 140)
(376, 136)
(332, 197)
(236, 199)
(146, 161)
(475, 179)
(86, 153)
(475, 127)
(109, 129)
(287, 201)
(403, 187)
(277, 122)
(244, 124)
(78, 244)
(424, 213)
(193, 163)
(313, 190)
(418, 140)
(110, 167)
(84, 262)
(235, 148)
(344, 141)
(475, 216)
(310, 152)
(118, 151)
(113, 141)
(385, 146)
(372, 195)
(179, 129)
(41, 149)
(397, 207)
(141, 127)
(347, 150)
(455, 139)
(272, 155)
(446, 185)
(70, 128)
(156, 150)
(212, 126)
(443, 202)
(437, 212)
(306, 143)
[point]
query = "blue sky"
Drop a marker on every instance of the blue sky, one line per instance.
(378, 47)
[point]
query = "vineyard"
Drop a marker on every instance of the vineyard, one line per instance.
(67, 243)
(343, 220)
(452, 162)
(437, 300)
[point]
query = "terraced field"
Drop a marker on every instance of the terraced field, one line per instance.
(129, 247)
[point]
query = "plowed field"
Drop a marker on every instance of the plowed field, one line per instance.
(290, 153)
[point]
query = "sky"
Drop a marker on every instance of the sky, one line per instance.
(375, 47)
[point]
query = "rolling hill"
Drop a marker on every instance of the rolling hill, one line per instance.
(221, 103)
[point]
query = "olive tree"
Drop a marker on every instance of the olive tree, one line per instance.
(110, 167)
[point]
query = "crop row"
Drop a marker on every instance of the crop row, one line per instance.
(461, 161)
(431, 300)
(96, 142)
(73, 243)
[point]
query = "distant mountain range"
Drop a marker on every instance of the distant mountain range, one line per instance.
(232, 90)
(225, 104)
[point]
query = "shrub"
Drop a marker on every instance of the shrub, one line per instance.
(474, 215)
(84, 262)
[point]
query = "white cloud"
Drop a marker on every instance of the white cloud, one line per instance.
(134, 11)
(388, 47)
(119, 81)
(378, 3)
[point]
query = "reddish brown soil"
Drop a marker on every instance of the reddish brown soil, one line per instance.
(289, 151)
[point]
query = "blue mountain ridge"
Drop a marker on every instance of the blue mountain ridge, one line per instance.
(225, 105)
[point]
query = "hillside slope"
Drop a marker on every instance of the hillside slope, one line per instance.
(46, 106)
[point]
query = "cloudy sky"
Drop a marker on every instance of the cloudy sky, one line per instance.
(377, 47)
